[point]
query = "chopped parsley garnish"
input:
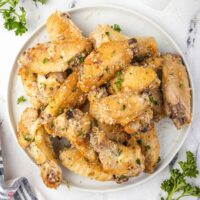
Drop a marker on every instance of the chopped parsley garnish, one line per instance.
(139, 141)
(21, 99)
(52, 124)
(153, 100)
(123, 107)
(51, 88)
(81, 59)
(107, 33)
(119, 80)
(119, 152)
(61, 56)
(29, 138)
(60, 111)
(147, 147)
(177, 186)
(41, 1)
(138, 161)
(116, 27)
(45, 60)
(181, 85)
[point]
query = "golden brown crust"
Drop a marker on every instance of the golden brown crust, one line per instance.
(176, 90)
(68, 95)
(102, 64)
(121, 108)
(60, 27)
(116, 158)
(134, 79)
(74, 161)
(54, 56)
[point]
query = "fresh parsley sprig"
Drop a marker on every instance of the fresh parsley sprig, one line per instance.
(14, 16)
(177, 181)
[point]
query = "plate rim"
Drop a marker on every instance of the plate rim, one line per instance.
(155, 25)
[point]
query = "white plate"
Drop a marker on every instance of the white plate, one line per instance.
(133, 24)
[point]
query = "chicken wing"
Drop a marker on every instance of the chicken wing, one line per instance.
(176, 90)
(150, 145)
(116, 158)
(68, 95)
(102, 64)
(60, 27)
(134, 79)
(142, 123)
(55, 56)
(145, 46)
(120, 108)
(41, 151)
(33, 138)
(75, 126)
(76, 162)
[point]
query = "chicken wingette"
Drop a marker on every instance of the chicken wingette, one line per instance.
(116, 158)
(102, 64)
(73, 160)
(74, 126)
(34, 139)
(134, 79)
(60, 27)
(120, 108)
(176, 90)
(150, 145)
(68, 95)
(55, 56)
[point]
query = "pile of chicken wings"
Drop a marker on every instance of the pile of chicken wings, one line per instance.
(104, 93)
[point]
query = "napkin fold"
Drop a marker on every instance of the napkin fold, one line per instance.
(15, 189)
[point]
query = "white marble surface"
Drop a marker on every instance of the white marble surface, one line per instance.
(180, 18)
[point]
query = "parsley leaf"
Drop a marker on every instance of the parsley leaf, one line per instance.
(177, 181)
(21, 99)
(116, 27)
(41, 1)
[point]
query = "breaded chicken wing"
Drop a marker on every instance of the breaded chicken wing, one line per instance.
(145, 46)
(176, 90)
(116, 158)
(134, 79)
(120, 108)
(68, 95)
(73, 160)
(55, 56)
(33, 138)
(102, 64)
(61, 27)
(75, 126)
(150, 145)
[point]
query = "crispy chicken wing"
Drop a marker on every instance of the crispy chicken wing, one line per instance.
(75, 126)
(41, 151)
(61, 27)
(102, 64)
(176, 90)
(150, 145)
(76, 162)
(134, 79)
(116, 158)
(120, 108)
(33, 138)
(68, 95)
(145, 46)
(55, 56)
